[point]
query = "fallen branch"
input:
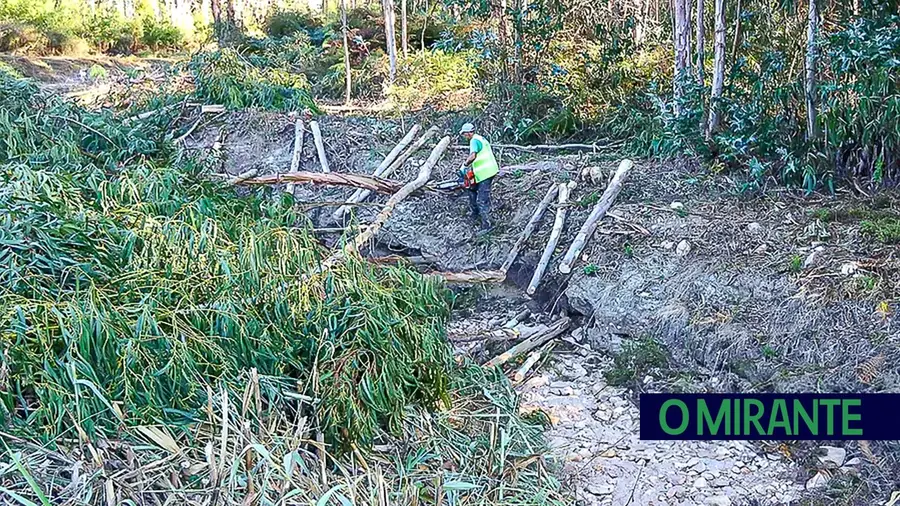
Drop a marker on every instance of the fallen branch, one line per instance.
(244, 176)
(526, 366)
(564, 190)
(396, 164)
(397, 259)
(358, 194)
(331, 178)
(590, 225)
(548, 147)
(298, 152)
(531, 343)
(379, 221)
(529, 228)
(519, 318)
(471, 277)
(320, 145)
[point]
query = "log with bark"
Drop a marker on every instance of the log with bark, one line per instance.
(388, 160)
(320, 145)
(244, 177)
(529, 228)
(590, 225)
(330, 179)
(564, 190)
(555, 330)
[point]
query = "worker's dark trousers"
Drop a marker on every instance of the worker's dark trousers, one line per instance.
(480, 201)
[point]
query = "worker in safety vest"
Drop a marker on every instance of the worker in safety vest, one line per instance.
(484, 167)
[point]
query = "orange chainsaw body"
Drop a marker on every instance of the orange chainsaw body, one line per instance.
(469, 180)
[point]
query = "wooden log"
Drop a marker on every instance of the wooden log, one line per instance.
(526, 366)
(519, 318)
(398, 259)
(564, 190)
(244, 176)
(529, 228)
(590, 225)
(549, 147)
(529, 344)
(358, 194)
(471, 277)
(320, 145)
(298, 152)
(398, 162)
(379, 221)
(332, 178)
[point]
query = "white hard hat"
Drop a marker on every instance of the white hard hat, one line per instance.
(468, 127)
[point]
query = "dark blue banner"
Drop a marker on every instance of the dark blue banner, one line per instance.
(769, 416)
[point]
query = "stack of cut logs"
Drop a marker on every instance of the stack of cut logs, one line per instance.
(397, 157)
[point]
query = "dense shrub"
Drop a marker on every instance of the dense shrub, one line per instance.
(284, 23)
(160, 35)
(441, 79)
(228, 78)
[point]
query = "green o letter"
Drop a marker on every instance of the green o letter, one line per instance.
(685, 417)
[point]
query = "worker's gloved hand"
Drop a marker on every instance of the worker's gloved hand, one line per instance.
(462, 173)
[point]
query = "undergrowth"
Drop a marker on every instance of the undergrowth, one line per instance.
(139, 295)
(226, 77)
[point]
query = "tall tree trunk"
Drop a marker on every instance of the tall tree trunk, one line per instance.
(682, 48)
(811, 32)
(701, 42)
(737, 34)
(640, 25)
(718, 82)
(390, 37)
(346, 51)
(217, 20)
(404, 34)
(425, 23)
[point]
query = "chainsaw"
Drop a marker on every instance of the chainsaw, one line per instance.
(465, 181)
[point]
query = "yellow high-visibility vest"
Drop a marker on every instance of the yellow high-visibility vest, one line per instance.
(485, 165)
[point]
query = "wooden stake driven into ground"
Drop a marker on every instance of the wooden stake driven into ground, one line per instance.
(298, 151)
(564, 190)
(358, 194)
(529, 228)
(531, 343)
(320, 145)
(379, 221)
(590, 225)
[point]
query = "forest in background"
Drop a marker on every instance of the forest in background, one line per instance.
(800, 93)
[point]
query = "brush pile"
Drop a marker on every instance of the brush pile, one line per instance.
(138, 297)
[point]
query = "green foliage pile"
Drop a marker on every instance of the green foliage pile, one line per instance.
(226, 77)
(130, 283)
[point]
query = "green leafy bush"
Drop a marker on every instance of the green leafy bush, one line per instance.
(226, 77)
(444, 80)
(160, 35)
